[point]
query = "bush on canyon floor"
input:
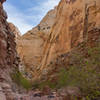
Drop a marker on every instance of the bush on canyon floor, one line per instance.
(47, 83)
(41, 85)
(86, 79)
(84, 73)
(21, 80)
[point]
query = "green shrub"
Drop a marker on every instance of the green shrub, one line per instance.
(46, 83)
(21, 80)
(87, 80)
(84, 74)
(41, 85)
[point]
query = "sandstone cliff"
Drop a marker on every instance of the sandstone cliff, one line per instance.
(60, 30)
(73, 22)
(77, 22)
(30, 46)
(8, 56)
(46, 23)
(14, 30)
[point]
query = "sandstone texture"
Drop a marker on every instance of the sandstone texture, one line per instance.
(8, 56)
(30, 45)
(59, 32)
(14, 30)
(9, 60)
(46, 23)
(74, 20)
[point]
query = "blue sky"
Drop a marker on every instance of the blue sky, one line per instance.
(26, 14)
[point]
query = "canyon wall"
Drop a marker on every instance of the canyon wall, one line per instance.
(75, 18)
(8, 54)
(30, 45)
(59, 32)
(69, 24)
(14, 30)
(9, 59)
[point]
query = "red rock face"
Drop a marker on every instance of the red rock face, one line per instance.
(14, 30)
(7, 44)
(30, 45)
(8, 55)
(73, 22)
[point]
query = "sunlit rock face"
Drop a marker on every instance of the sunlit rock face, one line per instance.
(30, 46)
(59, 32)
(75, 18)
(71, 23)
(46, 23)
(14, 30)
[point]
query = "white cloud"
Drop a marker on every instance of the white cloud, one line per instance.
(34, 15)
(43, 7)
(17, 18)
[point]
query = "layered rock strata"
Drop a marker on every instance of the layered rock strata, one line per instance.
(73, 22)
(30, 45)
(14, 30)
(9, 59)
